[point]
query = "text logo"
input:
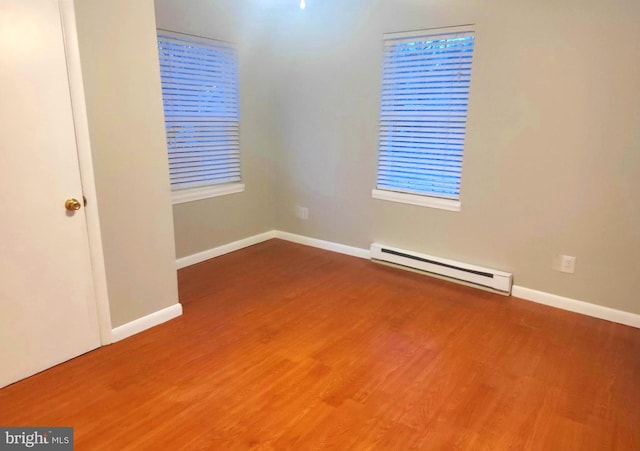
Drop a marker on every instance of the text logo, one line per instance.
(39, 438)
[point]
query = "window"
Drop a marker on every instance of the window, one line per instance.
(423, 115)
(200, 98)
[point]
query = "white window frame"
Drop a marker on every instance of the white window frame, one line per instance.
(232, 162)
(451, 203)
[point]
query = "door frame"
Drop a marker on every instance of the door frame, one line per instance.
(85, 159)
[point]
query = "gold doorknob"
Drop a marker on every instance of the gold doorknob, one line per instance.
(72, 205)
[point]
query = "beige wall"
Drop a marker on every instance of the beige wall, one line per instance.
(205, 224)
(552, 158)
(122, 86)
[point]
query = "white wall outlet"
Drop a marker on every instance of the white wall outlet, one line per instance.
(302, 212)
(565, 263)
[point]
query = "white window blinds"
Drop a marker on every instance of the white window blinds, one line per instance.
(423, 111)
(200, 97)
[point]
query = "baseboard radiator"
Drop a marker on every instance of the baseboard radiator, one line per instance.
(490, 278)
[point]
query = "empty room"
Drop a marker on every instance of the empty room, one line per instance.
(320, 224)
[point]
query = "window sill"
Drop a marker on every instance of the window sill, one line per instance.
(189, 195)
(414, 199)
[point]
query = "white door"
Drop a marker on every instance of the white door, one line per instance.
(47, 303)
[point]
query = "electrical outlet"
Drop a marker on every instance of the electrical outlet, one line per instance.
(302, 212)
(568, 264)
(565, 263)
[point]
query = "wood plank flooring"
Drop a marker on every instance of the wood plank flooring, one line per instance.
(283, 346)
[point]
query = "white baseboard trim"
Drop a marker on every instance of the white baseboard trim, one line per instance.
(326, 245)
(573, 305)
(241, 244)
(146, 322)
(540, 297)
(224, 249)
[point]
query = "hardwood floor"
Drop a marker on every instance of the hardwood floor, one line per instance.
(282, 346)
